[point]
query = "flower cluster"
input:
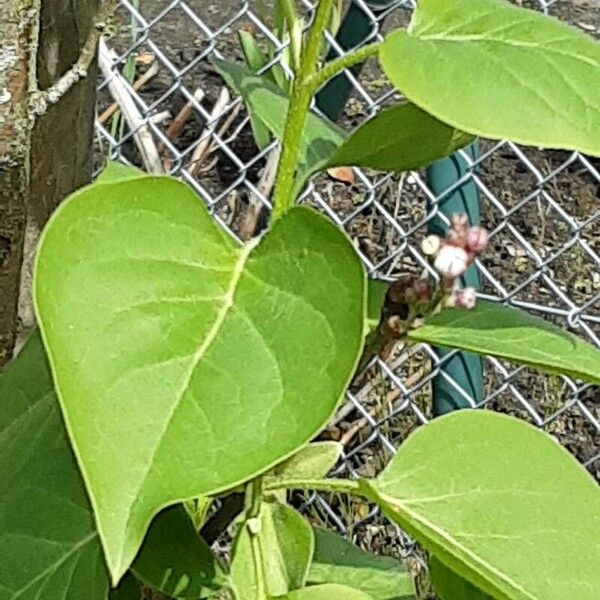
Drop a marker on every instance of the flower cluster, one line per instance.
(452, 256)
(411, 299)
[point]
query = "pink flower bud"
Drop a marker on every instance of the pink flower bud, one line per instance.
(477, 239)
(451, 261)
(464, 298)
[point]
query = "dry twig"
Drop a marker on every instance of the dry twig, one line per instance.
(138, 84)
(391, 399)
(141, 132)
(202, 149)
(264, 188)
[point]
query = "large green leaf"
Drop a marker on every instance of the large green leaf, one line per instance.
(286, 547)
(337, 560)
(500, 503)
(497, 330)
(180, 358)
(175, 560)
(268, 103)
(450, 586)
(49, 547)
(495, 70)
(327, 591)
(399, 138)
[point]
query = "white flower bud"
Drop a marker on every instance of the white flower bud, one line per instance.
(430, 245)
(451, 261)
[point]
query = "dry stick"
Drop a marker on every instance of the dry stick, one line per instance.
(220, 132)
(40, 101)
(174, 129)
(183, 116)
(138, 84)
(141, 132)
(365, 390)
(202, 148)
(227, 124)
(264, 188)
(390, 397)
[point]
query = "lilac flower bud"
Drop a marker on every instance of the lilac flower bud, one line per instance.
(451, 261)
(431, 245)
(477, 239)
(464, 298)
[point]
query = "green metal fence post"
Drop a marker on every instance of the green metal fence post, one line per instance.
(463, 371)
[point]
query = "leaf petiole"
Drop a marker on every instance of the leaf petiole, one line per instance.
(254, 495)
(334, 67)
(342, 486)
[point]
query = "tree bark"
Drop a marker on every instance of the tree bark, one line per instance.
(42, 159)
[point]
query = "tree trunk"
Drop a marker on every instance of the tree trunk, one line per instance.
(43, 159)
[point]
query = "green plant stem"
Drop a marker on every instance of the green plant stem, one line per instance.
(291, 18)
(342, 486)
(299, 107)
(334, 67)
(254, 498)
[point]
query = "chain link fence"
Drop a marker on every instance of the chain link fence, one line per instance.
(541, 208)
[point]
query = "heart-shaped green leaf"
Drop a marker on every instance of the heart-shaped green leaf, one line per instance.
(185, 364)
(339, 561)
(497, 330)
(500, 503)
(399, 138)
(495, 70)
(49, 547)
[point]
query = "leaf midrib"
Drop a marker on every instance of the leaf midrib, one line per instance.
(584, 369)
(402, 508)
(481, 38)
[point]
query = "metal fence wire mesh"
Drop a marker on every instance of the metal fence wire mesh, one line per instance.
(541, 208)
